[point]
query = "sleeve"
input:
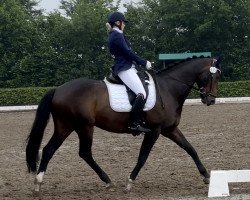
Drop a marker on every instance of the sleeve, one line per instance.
(127, 51)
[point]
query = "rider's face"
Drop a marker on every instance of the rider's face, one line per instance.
(122, 25)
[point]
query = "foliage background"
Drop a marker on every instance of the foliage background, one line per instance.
(38, 50)
(33, 95)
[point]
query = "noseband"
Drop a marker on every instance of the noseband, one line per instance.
(213, 70)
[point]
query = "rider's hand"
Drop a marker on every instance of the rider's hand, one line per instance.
(148, 65)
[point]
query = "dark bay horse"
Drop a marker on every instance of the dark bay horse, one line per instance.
(81, 104)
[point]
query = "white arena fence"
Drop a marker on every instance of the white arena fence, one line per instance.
(187, 102)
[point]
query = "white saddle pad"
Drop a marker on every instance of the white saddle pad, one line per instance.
(118, 97)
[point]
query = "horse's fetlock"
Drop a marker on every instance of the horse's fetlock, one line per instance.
(39, 178)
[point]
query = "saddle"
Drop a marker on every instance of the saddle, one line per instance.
(144, 77)
(121, 98)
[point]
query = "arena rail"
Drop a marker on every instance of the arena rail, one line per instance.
(187, 102)
(220, 100)
(220, 179)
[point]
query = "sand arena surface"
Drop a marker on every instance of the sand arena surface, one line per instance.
(220, 134)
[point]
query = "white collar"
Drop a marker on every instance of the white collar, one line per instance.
(117, 29)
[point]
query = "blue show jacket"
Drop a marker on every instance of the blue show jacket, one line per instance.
(122, 51)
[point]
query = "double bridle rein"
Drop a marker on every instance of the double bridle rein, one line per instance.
(213, 70)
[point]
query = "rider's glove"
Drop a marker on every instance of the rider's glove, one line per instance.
(148, 65)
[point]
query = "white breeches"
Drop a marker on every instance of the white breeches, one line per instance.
(131, 79)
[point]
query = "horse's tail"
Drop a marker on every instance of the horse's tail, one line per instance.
(36, 134)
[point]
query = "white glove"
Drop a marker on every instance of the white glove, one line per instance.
(148, 65)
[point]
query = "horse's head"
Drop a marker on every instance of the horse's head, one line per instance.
(208, 82)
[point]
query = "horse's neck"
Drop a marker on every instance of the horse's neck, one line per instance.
(179, 82)
(186, 74)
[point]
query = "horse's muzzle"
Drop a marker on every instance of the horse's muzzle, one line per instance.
(208, 100)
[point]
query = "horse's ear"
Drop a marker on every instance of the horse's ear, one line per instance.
(218, 61)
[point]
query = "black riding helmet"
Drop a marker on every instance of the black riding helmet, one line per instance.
(116, 16)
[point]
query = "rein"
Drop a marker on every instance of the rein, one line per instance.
(201, 90)
(190, 86)
(158, 88)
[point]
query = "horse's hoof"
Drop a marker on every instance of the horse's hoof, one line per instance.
(129, 186)
(126, 191)
(206, 180)
(36, 193)
(110, 187)
(37, 190)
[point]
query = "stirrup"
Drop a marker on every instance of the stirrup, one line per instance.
(139, 129)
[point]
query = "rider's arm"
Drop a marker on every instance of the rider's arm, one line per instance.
(120, 42)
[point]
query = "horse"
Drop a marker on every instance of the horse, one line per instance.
(81, 104)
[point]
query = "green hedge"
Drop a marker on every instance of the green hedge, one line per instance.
(234, 89)
(32, 96)
(22, 96)
(229, 89)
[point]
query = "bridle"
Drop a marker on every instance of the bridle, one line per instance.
(202, 90)
(212, 71)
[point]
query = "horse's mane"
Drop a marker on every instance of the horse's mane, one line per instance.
(173, 64)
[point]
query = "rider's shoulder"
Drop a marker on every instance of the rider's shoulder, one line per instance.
(115, 34)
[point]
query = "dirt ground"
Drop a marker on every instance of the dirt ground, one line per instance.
(220, 134)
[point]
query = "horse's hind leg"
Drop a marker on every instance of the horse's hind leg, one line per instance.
(180, 139)
(48, 151)
(85, 134)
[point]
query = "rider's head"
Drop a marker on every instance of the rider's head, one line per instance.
(117, 19)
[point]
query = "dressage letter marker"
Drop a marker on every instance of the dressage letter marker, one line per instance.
(219, 180)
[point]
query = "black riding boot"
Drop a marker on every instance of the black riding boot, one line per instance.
(137, 115)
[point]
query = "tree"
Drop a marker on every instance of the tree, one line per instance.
(195, 25)
(31, 7)
(48, 50)
(89, 37)
(16, 39)
(55, 60)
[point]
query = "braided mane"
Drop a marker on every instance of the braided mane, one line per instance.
(170, 65)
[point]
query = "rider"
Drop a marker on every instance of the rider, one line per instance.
(124, 68)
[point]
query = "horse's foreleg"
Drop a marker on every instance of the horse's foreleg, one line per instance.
(86, 137)
(147, 144)
(180, 139)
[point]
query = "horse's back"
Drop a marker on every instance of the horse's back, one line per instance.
(78, 94)
(77, 87)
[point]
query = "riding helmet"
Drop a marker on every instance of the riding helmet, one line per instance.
(116, 16)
